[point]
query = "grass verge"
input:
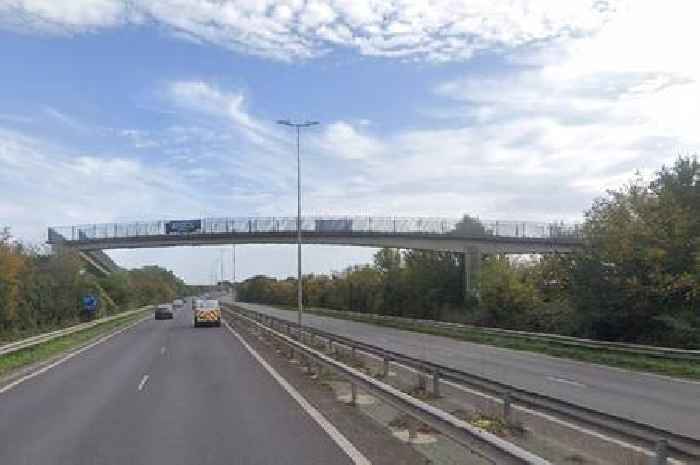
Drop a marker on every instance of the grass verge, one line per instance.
(44, 351)
(644, 363)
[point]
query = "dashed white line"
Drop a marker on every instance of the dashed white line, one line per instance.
(162, 350)
(566, 381)
(143, 382)
(355, 455)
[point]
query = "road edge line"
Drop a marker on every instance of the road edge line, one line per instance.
(70, 355)
(345, 445)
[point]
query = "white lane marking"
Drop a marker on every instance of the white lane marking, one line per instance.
(143, 382)
(566, 381)
(355, 455)
(46, 368)
(162, 350)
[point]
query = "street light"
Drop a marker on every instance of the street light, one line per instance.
(298, 127)
(233, 273)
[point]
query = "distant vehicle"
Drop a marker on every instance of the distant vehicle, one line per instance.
(178, 304)
(207, 312)
(164, 312)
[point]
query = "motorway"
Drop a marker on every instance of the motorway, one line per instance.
(162, 392)
(660, 401)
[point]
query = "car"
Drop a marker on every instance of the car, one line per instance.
(207, 313)
(178, 304)
(164, 312)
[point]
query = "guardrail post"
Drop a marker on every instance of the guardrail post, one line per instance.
(353, 394)
(507, 408)
(291, 353)
(422, 383)
(412, 429)
(436, 383)
(385, 367)
(330, 346)
(353, 354)
(660, 453)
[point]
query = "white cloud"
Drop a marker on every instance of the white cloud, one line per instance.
(63, 118)
(202, 96)
(50, 186)
(65, 16)
(610, 103)
(46, 185)
(539, 152)
(343, 140)
(441, 30)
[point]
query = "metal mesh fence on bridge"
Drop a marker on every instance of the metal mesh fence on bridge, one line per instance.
(320, 225)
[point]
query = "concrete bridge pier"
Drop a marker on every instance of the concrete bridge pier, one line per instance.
(472, 265)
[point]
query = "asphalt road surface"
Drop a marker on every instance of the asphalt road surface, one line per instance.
(664, 402)
(161, 393)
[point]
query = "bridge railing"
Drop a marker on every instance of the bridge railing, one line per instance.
(326, 224)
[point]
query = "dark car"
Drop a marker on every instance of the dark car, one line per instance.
(164, 312)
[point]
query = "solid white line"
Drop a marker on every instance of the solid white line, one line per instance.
(143, 382)
(355, 455)
(162, 350)
(46, 368)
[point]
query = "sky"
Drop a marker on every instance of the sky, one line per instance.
(123, 110)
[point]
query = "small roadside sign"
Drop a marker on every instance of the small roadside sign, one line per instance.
(90, 303)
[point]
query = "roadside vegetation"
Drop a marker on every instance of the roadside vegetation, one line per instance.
(42, 291)
(636, 279)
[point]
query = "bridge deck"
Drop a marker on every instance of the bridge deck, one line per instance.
(417, 233)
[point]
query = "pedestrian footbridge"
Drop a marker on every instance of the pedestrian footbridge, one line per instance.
(472, 237)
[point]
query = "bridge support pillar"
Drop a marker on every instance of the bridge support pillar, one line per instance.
(472, 265)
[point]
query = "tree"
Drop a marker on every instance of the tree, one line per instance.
(12, 265)
(471, 227)
(637, 277)
(509, 296)
(431, 282)
(388, 264)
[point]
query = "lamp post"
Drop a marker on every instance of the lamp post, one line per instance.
(298, 127)
(233, 273)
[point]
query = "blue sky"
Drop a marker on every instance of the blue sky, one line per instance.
(113, 110)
